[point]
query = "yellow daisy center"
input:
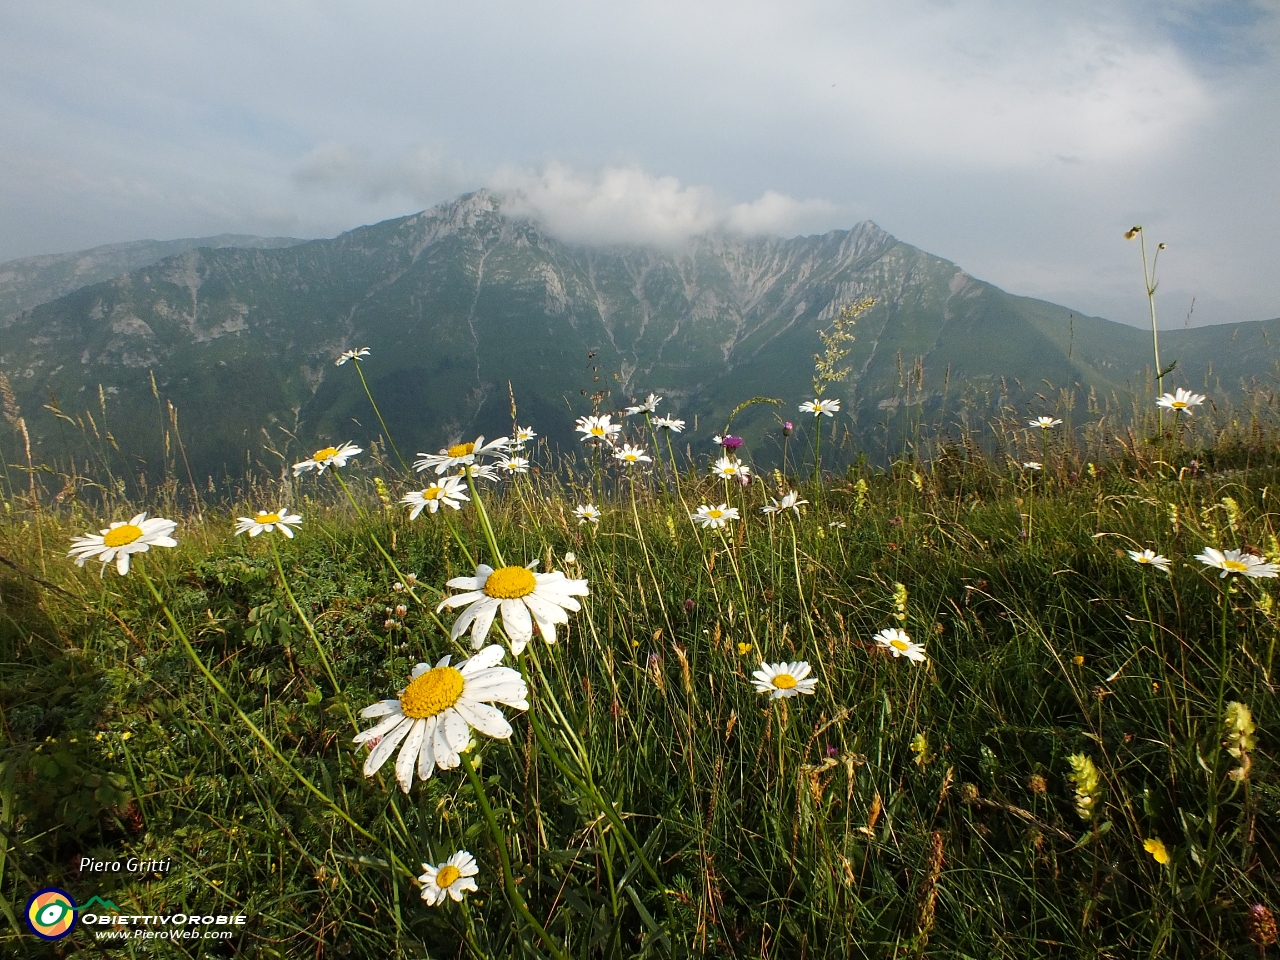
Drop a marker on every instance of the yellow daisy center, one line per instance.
(1179, 404)
(715, 514)
(462, 449)
(328, 453)
(265, 518)
(447, 876)
(121, 535)
(784, 681)
(510, 583)
(433, 692)
(432, 493)
(1235, 566)
(900, 645)
(597, 431)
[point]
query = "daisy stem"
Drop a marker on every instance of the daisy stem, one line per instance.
(311, 632)
(408, 587)
(347, 490)
(483, 514)
(508, 878)
(675, 471)
(265, 740)
(457, 538)
(404, 466)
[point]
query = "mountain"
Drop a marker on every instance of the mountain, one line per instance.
(32, 281)
(459, 301)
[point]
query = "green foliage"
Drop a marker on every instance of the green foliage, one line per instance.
(902, 810)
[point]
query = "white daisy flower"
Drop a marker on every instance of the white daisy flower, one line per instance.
(784, 679)
(327, 457)
(1150, 558)
(1045, 423)
(587, 513)
(525, 598)
(121, 539)
(1237, 561)
(713, 518)
(513, 465)
(669, 423)
(449, 491)
(1032, 465)
(1182, 400)
(727, 468)
(837, 525)
(434, 715)
(266, 522)
(452, 878)
(650, 405)
(460, 454)
(629, 454)
(791, 501)
(598, 428)
(819, 407)
(522, 436)
(900, 645)
(355, 355)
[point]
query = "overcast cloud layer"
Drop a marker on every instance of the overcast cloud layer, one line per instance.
(1019, 140)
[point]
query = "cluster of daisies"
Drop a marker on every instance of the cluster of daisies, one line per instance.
(1227, 561)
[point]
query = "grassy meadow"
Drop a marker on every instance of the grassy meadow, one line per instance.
(1064, 774)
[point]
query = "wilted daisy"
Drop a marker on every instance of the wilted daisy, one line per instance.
(650, 405)
(449, 491)
(629, 454)
(1237, 561)
(434, 715)
(727, 468)
(899, 644)
(1150, 558)
(266, 522)
(598, 428)
(587, 513)
(669, 423)
(524, 597)
(819, 407)
(452, 878)
(1045, 423)
(522, 436)
(351, 355)
(513, 465)
(713, 518)
(784, 679)
(121, 539)
(1181, 400)
(460, 454)
(327, 457)
(790, 501)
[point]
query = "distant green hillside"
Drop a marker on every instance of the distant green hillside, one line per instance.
(29, 282)
(459, 301)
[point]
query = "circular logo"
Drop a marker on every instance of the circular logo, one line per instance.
(51, 913)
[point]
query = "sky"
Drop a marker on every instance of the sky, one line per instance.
(1020, 140)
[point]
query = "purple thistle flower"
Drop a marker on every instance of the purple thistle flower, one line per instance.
(787, 427)
(731, 442)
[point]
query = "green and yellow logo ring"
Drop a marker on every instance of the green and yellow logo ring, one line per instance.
(51, 913)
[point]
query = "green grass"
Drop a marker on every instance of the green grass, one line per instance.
(800, 828)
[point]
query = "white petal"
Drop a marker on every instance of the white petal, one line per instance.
(482, 661)
(486, 609)
(380, 709)
(426, 755)
(446, 757)
(488, 720)
(408, 758)
(386, 746)
(515, 620)
(461, 599)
